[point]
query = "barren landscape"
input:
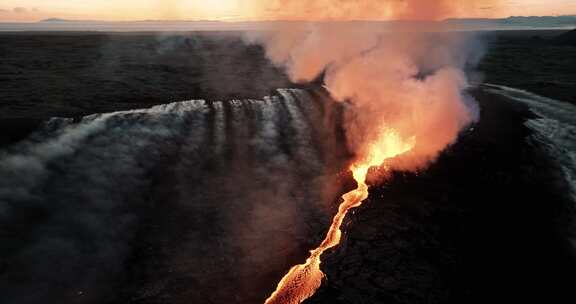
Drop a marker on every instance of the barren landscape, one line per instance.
(186, 168)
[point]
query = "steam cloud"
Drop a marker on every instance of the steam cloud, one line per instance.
(370, 9)
(77, 199)
(395, 77)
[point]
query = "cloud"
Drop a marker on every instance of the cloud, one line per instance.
(371, 9)
(20, 10)
(410, 83)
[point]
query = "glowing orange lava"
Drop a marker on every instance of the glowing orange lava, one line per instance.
(302, 281)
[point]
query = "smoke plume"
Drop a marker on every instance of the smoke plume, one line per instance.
(370, 9)
(395, 76)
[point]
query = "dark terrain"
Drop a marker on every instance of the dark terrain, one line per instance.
(543, 62)
(489, 222)
(72, 74)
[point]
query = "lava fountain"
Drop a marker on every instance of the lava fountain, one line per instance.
(302, 281)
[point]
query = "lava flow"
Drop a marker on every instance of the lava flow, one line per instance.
(302, 281)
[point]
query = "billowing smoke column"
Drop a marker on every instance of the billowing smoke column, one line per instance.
(405, 88)
(410, 82)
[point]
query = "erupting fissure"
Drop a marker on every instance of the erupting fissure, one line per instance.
(302, 281)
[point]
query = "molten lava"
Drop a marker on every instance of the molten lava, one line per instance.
(302, 281)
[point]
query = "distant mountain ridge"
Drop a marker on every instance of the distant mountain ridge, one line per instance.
(60, 20)
(467, 24)
(532, 21)
(567, 20)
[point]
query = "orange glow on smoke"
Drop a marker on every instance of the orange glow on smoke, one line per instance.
(302, 281)
(373, 9)
(404, 87)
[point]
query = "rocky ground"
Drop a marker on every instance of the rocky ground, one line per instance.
(72, 74)
(537, 61)
(490, 221)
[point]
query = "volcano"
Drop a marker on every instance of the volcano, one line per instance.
(157, 171)
(121, 188)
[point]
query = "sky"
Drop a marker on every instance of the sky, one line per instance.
(127, 10)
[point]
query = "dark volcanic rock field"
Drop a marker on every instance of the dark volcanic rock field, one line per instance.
(70, 74)
(490, 221)
(212, 201)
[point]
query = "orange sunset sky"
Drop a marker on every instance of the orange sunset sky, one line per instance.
(126, 10)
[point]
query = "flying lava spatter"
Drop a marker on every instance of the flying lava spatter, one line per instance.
(302, 281)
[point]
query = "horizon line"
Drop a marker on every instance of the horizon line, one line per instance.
(230, 20)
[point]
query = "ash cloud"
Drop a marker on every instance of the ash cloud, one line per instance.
(371, 9)
(20, 10)
(396, 77)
